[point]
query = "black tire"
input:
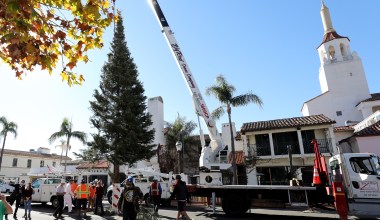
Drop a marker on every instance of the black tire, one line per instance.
(109, 197)
(7, 191)
(54, 202)
(234, 205)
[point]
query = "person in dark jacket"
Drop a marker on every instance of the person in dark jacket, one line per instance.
(16, 196)
(99, 192)
(128, 203)
(182, 195)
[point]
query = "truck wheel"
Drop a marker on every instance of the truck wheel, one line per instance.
(54, 202)
(109, 197)
(234, 205)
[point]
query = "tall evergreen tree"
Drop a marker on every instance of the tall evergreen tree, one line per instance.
(119, 109)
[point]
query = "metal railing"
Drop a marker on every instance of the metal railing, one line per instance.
(325, 146)
(281, 148)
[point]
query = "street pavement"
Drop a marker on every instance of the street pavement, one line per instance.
(198, 212)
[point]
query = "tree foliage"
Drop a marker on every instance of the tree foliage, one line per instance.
(224, 92)
(119, 109)
(8, 127)
(41, 33)
(180, 130)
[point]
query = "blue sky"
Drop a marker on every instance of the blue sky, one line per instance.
(267, 47)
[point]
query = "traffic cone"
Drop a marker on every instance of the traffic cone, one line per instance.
(316, 178)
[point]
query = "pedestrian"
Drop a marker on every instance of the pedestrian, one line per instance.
(16, 197)
(91, 198)
(155, 192)
(68, 197)
(60, 192)
(5, 207)
(99, 192)
(27, 195)
(74, 186)
(81, 193)
(182, 195)
(128, 203)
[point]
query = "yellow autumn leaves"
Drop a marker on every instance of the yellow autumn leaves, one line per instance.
(50, 32)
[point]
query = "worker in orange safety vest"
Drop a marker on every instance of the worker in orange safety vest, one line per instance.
(155, 192)
(82, 193)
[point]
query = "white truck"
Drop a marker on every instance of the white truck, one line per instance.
(354, 175)
(143, 179)
(45, 190)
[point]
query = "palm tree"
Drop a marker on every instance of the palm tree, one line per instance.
(224, 92)
(63, 146)
(180, 130)
(8, 126)
(67, 131)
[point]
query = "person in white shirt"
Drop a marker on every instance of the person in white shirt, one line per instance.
(69, 197)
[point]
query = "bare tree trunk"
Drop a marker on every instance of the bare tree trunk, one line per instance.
(233, 163)
(2, 150)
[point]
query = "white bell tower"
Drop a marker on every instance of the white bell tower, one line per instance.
(341, 77)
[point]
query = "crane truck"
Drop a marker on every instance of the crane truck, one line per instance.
(353, 187)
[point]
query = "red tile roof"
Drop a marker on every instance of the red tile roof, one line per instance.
(374, 97)
(102, 164)
(373, 130)
(343, 128)
(331, 36)
(33, 154)
(286, 123)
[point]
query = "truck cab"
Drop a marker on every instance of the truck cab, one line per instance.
(45, 190)
(361, 181)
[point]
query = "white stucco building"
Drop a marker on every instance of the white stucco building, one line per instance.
(16, 164)
(342, 80)
(345, 95)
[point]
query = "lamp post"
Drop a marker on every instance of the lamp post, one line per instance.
(178, 145)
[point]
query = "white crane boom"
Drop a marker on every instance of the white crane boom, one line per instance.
(209, 155)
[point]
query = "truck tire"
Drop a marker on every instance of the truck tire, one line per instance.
(109, 197)
(54, 202)
(235, 205)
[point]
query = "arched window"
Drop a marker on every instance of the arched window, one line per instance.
(343, 49)
(331, 53)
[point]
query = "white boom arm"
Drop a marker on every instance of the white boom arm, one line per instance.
(208, 155)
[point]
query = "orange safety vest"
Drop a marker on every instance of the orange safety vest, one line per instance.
(92, 191)
(82, 191)
(154, 188)
(74, 187)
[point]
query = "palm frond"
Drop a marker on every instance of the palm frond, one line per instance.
(246, 99)
(217, 113)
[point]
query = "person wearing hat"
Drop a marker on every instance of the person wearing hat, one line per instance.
(81, 193)
(128, 203)
(60, 192)
(68, 197)
(181, 193)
